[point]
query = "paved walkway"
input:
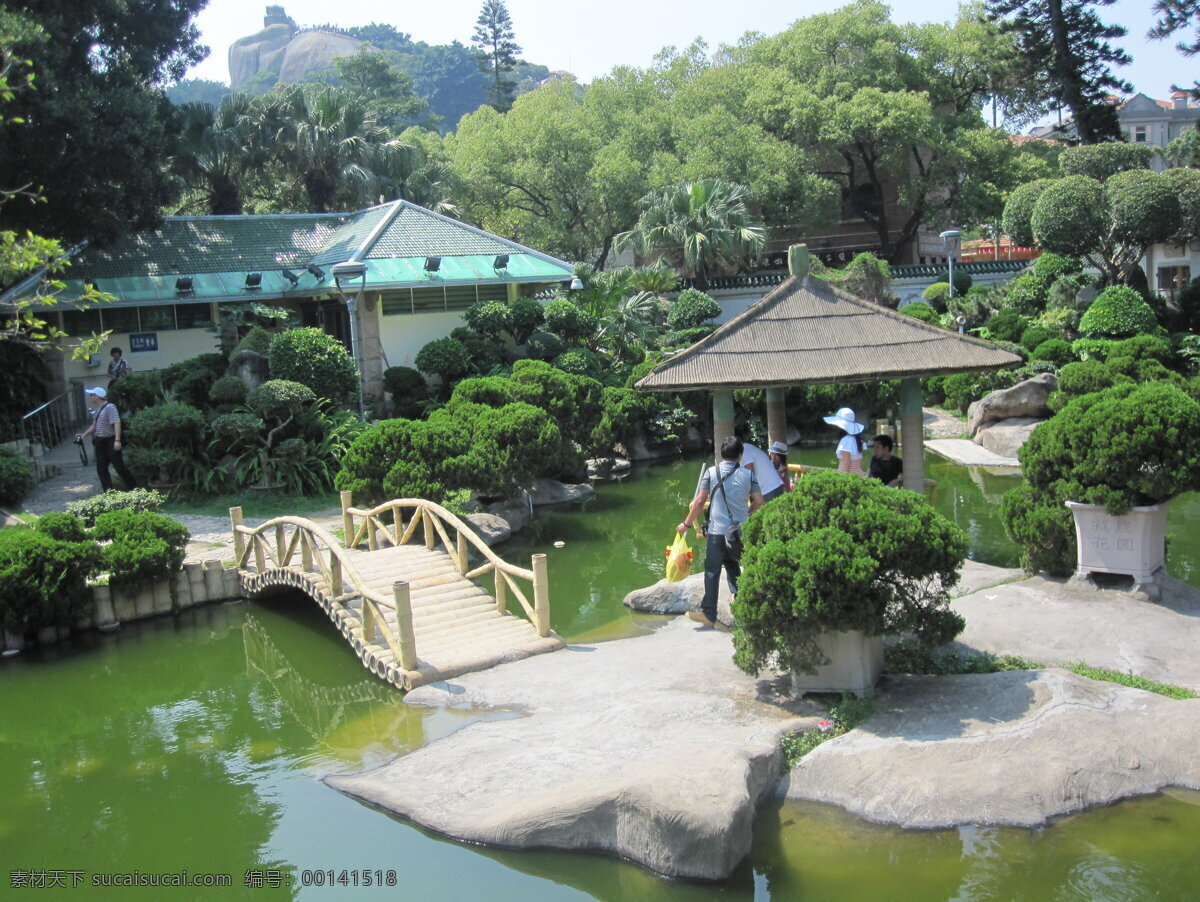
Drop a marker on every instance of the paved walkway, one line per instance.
(969, 454)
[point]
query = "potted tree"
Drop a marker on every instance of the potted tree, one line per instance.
(1101, 474)
(831, 567)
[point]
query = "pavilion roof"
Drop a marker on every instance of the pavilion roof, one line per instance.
(808, 332)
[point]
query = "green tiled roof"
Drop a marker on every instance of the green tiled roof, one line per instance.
(187, 245)
(217, 252)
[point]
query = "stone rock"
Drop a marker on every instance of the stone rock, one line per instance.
(1059, 622)
(548, 491)
(516, 511)
(492, 529)
(667, 770)
(1018, 748)
(602, 467)
(251, 367)
(1025, 399)
(1005, 437)
(313, 51)
(638, 450)
(260, 52)
(680, 597)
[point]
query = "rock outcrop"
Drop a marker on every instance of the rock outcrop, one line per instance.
(1013, 748)
(656, 749)
(1005, 437)
(282, 49)
(1025, 399)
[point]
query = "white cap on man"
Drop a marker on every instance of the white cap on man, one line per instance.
(97, 391)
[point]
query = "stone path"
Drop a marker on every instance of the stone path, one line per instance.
(941, 423)
(965, 452)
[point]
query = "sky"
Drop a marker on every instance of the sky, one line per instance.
(589, 39)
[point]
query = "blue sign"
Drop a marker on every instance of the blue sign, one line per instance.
(143, 341)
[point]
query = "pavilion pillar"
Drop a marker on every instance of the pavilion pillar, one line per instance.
(776, 415)
(722, 402)
(912, 431)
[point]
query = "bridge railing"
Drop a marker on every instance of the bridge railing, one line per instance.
(396, 523)
(271, 546)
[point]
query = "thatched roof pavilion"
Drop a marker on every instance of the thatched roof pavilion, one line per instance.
(809, 332)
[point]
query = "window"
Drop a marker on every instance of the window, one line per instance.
(121, 319)
(1173, 278)
(158, 319)
(81, 322)
(440, 298)
(193, 316)
(1139, 134)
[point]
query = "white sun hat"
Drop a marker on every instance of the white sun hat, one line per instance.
(98, 392)
(778, 448)
(844, 419)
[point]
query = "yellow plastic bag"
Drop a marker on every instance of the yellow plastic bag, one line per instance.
(679, 559)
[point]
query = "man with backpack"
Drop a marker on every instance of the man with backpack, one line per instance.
(735, 495)
(106, 439)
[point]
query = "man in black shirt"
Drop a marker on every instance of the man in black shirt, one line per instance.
(884, 467)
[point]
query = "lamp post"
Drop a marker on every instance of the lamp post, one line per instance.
(950, 240)
(353, 269)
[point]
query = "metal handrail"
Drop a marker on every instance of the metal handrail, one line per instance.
(53, 421)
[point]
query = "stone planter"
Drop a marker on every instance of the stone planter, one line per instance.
(855, 663)
(1132, 544)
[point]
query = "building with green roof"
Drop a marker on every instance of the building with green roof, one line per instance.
(419, 271)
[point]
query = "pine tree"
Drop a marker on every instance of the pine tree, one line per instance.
(1173, 16)
(498, 51)
(1066, 48)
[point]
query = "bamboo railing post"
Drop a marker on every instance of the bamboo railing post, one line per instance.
(404, 625)
(280, 546)
(501, 591)
(397, 524)
(372, 542)
(335, 574)
(306, 551)
(347, 518)
(425, 516)
(239, 540)
(368, 621)
(260, 559)
(541, 595)
(462, 552)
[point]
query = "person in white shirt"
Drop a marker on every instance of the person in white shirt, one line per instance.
(757, 461)
(850, 448)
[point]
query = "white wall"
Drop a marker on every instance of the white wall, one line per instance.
(173, 346)
(405, 334)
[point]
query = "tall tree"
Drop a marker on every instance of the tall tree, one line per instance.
(388, 91)
(94, 136)
(1066, 47)
(219, 154)
(700, 227)
(1174, 15)
(498, 49)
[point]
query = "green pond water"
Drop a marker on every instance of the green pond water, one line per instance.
(195, 743)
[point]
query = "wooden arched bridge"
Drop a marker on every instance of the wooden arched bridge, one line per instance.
(408, 603)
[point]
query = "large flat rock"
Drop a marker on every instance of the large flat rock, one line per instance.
(1006, 748)
(963, 451)
(656, 749)
(1062, 622)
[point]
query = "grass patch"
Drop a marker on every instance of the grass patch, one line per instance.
(844, 715)
(253, 505)
(912, 657)
(1133, 682)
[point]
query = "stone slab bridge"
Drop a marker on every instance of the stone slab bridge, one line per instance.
(408, 602)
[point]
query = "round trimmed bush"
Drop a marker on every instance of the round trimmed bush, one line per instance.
(445, 358)
(691, 309)
(962, 280)
(1070, 215)
(407, 388)
(489, 318)
(312, 358)
(136, 391)
(544, 346)
(936, 295)
(1018, 211)
(62, 526)
(257, 340)
(16, 477)
(1054, 350)
(144, 548)
(1006, 325)
(1050, 266)
(922, 311)
(1033, 336)
(1026, 294)
(1118, 312)
(43, 581)
(227, 392)
(568, 322)
(580, 362)
(525, 317)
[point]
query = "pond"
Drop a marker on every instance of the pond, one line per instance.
(196, 742)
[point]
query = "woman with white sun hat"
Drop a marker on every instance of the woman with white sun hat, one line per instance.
(850, 448)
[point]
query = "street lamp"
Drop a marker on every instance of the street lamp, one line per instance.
(950, 240)
(353, 269)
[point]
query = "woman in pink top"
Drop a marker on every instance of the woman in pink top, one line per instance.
(850, 448)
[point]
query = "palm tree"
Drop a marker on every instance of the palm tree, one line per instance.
(698, 227)
(218, 154)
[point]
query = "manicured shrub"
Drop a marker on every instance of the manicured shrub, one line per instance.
(525, 317)
(402, 459)
(936, 295)
(1033, 336)
(1054, 350)
(445, 358)
(1045, 530)
(1049, 267)
(257, 339)
(684, 338)
(144, 548)
(922, 311)
(490, 391)
(692, 308)
(509, 447)
(16, 477)
(1006, 325)
(408, 390)
(62, 526)
(227, 392)
(1026, 294)
(190, 380)
(962, 280)
(544, 346)
(136, 500)
(1142, 347)
(1018, 211)
(568, 322)
(625, 416)
(163, 442)
(314, 359)
(135, 392)
(489, 318)
(485, 354)
(843, 553)
(1118, 312)
(580, 362)
(574, 403)
(43, 581)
